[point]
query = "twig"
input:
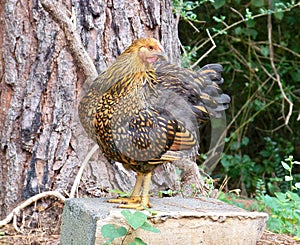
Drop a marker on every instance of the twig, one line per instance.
(239, 22)
(270, 131)
(183, 49)
(281, 47)
(192, 25)
(274, 79)
(80, 172)
(237, 12)
(206, 53)
(245, 105)
(15, 224)
(287, 118)
(13, 214)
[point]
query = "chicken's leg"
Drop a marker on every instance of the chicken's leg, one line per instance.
(136, 201)
(146, 189)
(135, 195)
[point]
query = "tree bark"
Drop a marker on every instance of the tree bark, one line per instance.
(42, 141)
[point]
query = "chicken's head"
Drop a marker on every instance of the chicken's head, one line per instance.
(149, 50)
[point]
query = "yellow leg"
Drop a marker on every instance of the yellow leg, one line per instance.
(144, 201)
(135, 195)
(137, 187)
(146, 188)
(136, 201)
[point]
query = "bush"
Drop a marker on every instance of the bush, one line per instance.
(259, 48)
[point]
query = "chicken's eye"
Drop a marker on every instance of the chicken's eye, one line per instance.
(151, 48)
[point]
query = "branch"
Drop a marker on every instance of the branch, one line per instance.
(206, 53)
(281, 47)
(287, 118)
(60, 14)
(13, 214)
(237, 12)
(246, 105)
(80, 172)
(239, 22)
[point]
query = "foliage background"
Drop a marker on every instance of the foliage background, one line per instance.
(257, 42)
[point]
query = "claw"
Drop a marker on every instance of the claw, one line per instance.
(137, 206)
(137, 202)
(124, 200)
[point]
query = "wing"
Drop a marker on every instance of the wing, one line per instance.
(150, 134)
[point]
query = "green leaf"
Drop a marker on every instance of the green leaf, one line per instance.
(297, 185)
(265, 153)
(111, 232)
(135, 220)
(218, 3)
(250, 23)
(296, 75)
(258, 3)
(276, 179)
(226, 161)
(245, 141)
(265, 50)
(251, 32)
(279, 15)
(148, 227)
(281, 197)
(120, 193)
(288, 178)
(296, 162)
(290, 158)
(248, 14)
(138, 241)
(238, 30)
(285, 166)
(293, 196)
(216, 19)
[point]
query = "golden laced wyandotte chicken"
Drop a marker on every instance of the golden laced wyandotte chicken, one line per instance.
(143, 111)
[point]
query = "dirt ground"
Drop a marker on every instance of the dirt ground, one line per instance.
(41, 226)
(38, 237)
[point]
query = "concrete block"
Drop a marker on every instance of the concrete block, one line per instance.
(180, 221)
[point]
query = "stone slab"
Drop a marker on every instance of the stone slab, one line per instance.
(180, 221)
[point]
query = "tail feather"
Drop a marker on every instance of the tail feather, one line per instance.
(200, 88)
(212, 73)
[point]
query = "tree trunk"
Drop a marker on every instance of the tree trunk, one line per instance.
(42, 144)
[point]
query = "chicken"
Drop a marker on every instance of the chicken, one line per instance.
(143, 112)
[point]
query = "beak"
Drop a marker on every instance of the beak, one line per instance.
(161, 55)
(161, 48)
(161, 52)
